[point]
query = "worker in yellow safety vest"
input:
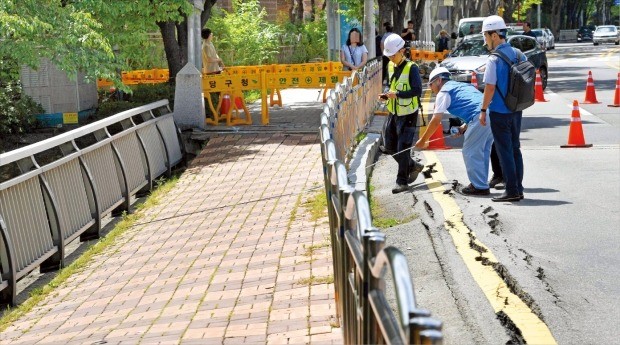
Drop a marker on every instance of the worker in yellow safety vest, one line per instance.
(403, 99)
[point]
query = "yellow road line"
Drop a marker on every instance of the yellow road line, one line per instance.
(611, 54)
(533, 329)
(479, 263)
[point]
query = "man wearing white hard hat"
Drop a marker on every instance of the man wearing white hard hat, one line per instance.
(505, 124)
(463, 101)
(403, 101)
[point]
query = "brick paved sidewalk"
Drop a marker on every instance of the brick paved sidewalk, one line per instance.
(226, 257)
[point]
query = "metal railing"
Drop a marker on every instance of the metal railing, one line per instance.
(57, 190)
(360, 255)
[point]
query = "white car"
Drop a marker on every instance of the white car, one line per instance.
(606, 34)
(542, 37)
(551, 38)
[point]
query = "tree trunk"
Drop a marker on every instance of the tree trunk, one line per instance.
(206, 13)
(312, 10)
(174, 36)
(399, 16)
(418, 14)
(176, 53)
(555, 16)
(299, 11)
(291, 10)
(386, 9)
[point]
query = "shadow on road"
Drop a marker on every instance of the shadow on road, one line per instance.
(540, 202)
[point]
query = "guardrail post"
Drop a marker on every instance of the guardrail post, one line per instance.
(124, 183)
(93, 201)
(7, 260)
(374, 242)
(55, 261)
(419, 324)
(431, 337)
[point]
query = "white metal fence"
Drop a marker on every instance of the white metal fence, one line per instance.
(53, 191)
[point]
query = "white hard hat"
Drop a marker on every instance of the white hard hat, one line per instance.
(439, 72)
(493, 23)
(392, 44)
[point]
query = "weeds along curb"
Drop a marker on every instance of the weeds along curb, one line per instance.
(127, 222)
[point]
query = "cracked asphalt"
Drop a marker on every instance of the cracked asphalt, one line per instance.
(556, 250)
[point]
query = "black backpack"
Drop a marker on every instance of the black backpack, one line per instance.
(521, 81)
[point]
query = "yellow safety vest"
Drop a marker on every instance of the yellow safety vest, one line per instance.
(401, 106)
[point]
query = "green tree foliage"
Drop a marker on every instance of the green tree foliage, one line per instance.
(71, 38)
(312, 43)
(244, 37)
(353, 9)
(16, 109)
(521, 12)
(81, 34)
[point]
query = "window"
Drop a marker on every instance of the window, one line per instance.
(516, 43)
(527, 44)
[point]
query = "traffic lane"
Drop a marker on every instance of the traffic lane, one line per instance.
(560, 244)
(568, 75)
(548, 124)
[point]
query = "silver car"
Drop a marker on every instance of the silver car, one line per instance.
(551, 38)
(471, 57)
(542, 37)
(606, 34)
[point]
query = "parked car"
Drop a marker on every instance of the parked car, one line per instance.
(471, 56)
(543, 38)
(551, 38)
(585, 33)
(606, 34)
(466, 25)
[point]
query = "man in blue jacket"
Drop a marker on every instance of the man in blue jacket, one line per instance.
(463, 101)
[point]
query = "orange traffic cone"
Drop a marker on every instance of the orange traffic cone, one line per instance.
(575, 133)
(539, 96)
(617, 94)
(436, 141)
(474, 79)
(590, 92)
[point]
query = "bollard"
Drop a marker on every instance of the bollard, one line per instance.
(225, 107)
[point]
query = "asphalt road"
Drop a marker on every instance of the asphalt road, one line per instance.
(557, 249)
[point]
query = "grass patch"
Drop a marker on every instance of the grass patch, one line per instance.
(359, 137)
(127, 222)
(313, 280)
(311, 249)
(317, 206)
(377, 212)
(293, 215)
(251, 96)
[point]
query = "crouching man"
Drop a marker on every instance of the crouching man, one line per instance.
(463, 101)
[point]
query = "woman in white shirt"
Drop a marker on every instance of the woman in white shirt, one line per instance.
(354, 54)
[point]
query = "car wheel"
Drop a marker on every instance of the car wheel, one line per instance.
(617, 42)
(595, 43)
(543, 75)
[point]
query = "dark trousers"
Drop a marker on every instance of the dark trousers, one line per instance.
(495, 166)
(506, 129)
(385, 61)
(398, 136)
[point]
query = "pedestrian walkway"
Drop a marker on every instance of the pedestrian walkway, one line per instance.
(231, 255)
